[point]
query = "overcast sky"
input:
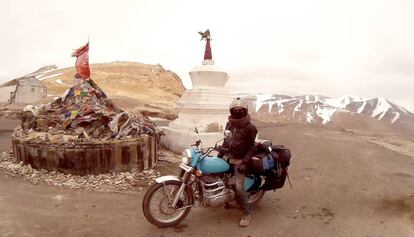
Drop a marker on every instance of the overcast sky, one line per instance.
(292, 47)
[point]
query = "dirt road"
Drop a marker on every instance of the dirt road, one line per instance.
(343, 185)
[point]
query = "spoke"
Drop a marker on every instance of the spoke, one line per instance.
(160, 204)
(166, 193)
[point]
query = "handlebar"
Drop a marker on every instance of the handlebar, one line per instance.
(220, 149)
(207, 151)
(198, 142)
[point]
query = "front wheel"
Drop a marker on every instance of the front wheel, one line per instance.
(157, 204)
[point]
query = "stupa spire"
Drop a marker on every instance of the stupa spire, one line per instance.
(207, 52)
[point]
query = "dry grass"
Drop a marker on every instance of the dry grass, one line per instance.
(134, 86)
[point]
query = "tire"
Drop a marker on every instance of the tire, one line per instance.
(255, 197)
(170, 187)
(181, 174)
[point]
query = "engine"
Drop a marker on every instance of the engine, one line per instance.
(215, 192)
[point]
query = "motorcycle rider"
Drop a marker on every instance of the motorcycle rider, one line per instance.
(241, 149)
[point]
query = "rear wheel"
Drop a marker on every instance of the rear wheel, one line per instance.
(255, 196)
(157, 205)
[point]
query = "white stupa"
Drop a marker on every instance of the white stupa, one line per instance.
(205, 106)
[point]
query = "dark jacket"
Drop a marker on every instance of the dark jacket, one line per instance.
(244, 133)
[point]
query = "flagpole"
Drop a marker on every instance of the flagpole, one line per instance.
(89, 57)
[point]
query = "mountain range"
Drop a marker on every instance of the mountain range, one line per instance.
(352, 112)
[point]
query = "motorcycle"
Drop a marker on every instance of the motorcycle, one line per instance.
(204, 179)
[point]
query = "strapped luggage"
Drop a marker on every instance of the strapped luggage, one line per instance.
(260, 163)
(272, 162)
(283, 155)
(275, 180)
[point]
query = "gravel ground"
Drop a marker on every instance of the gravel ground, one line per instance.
(110, 182)
(343, 185)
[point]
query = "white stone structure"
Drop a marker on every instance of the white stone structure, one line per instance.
(205, 106)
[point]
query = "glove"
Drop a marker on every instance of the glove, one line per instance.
(242, 168)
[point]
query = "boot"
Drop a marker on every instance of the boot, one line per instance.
(245, 220)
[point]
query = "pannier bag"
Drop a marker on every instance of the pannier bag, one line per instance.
(275, 172)
(262, 162)
(274, 180)
(280, 155)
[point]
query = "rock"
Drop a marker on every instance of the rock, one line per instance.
(33, 135)
(15, 168)
(130, 177)
(55, 138)
(79, 130)
(69, 138)
(24, 170)
(103, 182)
(30, 168)
(43, 171)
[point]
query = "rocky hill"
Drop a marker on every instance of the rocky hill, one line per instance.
(150, 89)
(351, 112)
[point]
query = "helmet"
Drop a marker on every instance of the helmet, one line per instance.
(238, 108)
(238, 103)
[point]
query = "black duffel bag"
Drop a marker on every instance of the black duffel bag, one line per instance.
(283, 155)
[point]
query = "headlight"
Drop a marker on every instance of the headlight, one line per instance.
(184, 160)
(186, 156)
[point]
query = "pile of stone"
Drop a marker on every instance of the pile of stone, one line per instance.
(84, 112)
(10, 111)
(109, 182)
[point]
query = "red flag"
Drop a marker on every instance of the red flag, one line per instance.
(82, 61)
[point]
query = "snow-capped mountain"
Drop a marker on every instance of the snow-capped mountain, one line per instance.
(317, 109)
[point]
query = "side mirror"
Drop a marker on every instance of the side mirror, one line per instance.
(227, 134)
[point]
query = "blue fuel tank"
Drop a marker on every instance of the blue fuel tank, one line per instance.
(213, 164)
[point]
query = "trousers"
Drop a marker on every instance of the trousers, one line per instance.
(241, 194)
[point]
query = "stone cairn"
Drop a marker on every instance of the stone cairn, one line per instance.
(84, 132)
(83, 140)
(83, 113)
